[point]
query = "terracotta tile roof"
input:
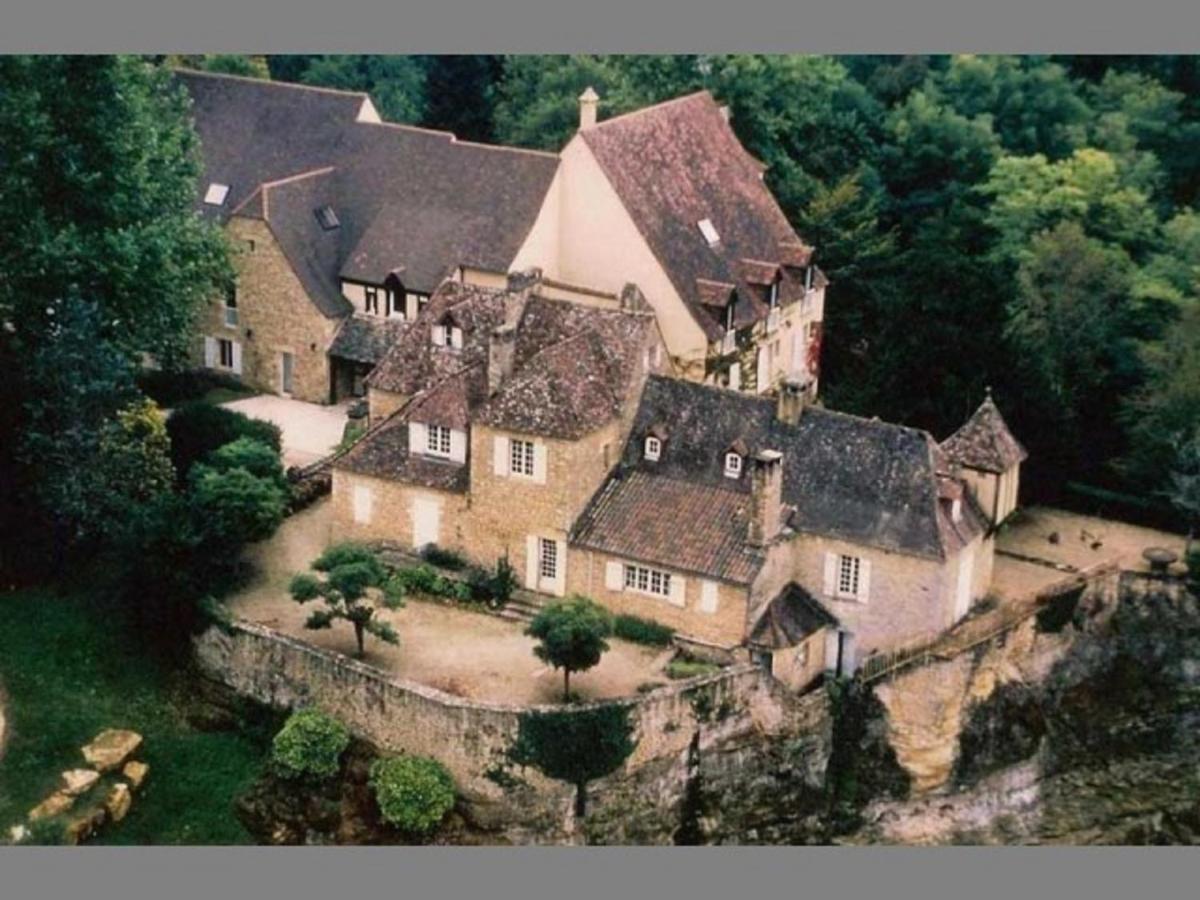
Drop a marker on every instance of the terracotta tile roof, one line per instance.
(678, 163)
(861, 480)
(366, 339)
(406, 198)
(384, 454)
(676, 524)
(984, 441)
(790, 618)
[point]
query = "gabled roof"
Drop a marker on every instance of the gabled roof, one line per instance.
(366, 339)
(860, 480)
(678, 524)
(791, 617)
(678, 163)
(406, 198)
(984, 441)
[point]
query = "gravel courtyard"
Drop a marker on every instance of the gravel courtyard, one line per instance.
(310, 430)
(466, 653)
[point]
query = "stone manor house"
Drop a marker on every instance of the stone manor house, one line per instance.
(347, 224)
(600, 364)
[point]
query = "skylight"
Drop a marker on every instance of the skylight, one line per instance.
(709, 232)
(216, 194)
(327, 217)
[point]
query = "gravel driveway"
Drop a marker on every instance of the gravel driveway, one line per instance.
(310, 430)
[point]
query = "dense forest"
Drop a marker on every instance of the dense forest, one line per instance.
(1023, 223)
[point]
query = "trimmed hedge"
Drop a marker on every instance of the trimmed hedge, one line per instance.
(310, 745)
(642, 631)
(446, 559)
(414, 793)
(197, 429)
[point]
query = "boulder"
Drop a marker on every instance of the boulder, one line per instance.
(56, 803)
(83, 827)
(118, 801)
(111, 748)
(135, 773)
(79, 781)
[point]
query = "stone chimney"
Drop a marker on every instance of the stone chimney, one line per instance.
(519, 288)
(502, 346)
(792, 397)
(589, 100)
(766, 498)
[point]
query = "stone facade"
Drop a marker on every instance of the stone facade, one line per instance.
(372, 509)
(274, 317)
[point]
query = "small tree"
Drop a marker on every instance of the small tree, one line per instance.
(414, 793)
(572, 636)
(256, 457)
(351, 570)
(235, 507)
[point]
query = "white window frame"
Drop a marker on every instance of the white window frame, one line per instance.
(438, 440)
(648, 581)
(733, 465)
(371, 299)
(363, 500)
(231, 308)
(521, 458)
(455, 338)
(222, 345)
(653, 448)
(849, 576)
(438, 335)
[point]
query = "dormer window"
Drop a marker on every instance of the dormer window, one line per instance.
(709, 231)
(448, 336)
(437, 439)
(733, 465)
(371, 299)
(653, 448)
(216, 194)
(327, 218)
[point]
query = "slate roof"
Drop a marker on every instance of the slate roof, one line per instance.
(366, 339)
(860, 480)
(984, 441)
(790, 618)
(671, 522)
(679, 162)
(408, 199)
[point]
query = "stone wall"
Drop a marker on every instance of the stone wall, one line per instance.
(275, 315)
(721, 723)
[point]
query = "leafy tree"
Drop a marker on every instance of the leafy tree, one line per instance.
(197, 429)
(134, 462)
(414, 793)
(461, 95)
(571, 635)
(1184, 487)
(396, 83)
(1160, 415)
(1068, 327)
(234, 506)
(309, 745)
(351, 570)
(259, 459)
(227, 63)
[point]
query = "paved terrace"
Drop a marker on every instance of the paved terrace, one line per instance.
(310, 430)
(469, 654)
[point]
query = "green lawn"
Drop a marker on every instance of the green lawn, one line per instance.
(69, 672)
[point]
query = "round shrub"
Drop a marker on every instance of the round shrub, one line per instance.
(414, 793)
(257, 458)
(197, 429)
(309, 745)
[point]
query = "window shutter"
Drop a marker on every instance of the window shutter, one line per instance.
(418, 437)
(708, 596)
(831, 650)
(831, 562)
(501, 460)
(613, 576)
(237, 358)
(678, 590)
(864, 580)
(735, 376)
(539, 462)
(458, 445)
(560, 575)
(210, 352)
(362, 504)
(531, 562)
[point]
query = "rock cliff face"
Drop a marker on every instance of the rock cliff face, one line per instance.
(1080, 727)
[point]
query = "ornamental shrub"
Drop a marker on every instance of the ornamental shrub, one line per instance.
(439, 556)
(414, 793)
(197, 429)
(310, 745)
(259, 459)
(642, 631)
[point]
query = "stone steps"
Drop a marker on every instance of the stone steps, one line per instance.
(521, 607)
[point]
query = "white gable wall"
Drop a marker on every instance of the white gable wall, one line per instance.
(599, 245)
